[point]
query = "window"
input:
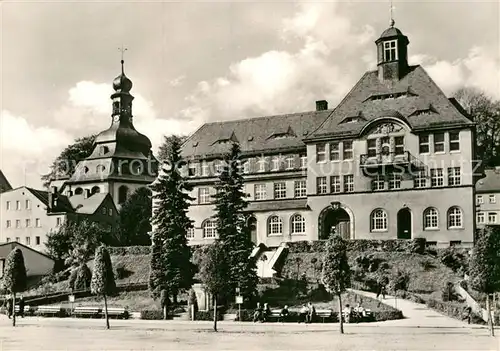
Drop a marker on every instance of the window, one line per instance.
(219, 167)
(28, 223)
(399, 145)
(378, 183)
(348, 151)
(423, 144)
(8, 224)
(300, 188)
(260, 192)
(37, 240)
(454, 141)
(454, 177)
(290, 162)
(122, 194)
(203, 196)
(334, 151)
(104, 210)
(190, 233)
(280, 190)
(204, 169)
(59, 219)
(493, 199)
(303, 161)
(372, 147)
(191, 170)
(18, 205)
(7, 239)
(28, 204)
(298, 224)
(320, 152)
(437, 178)
(7, 205)
(480, 199)
(431, 219)
(394, 181)
(492, 217)
(27, 240)
(262, 164)
(38, 224)
(209, 229)
(420, 180)
(378, 219)
(18, 239)
(335, 184)
(480, 218)
(110, 212)
(276, 163)
(349, 183)
(455, 218)
(455, 242)
(18, 223)
(390, 52)
(321, 187)
(274, 226)
(439, 142)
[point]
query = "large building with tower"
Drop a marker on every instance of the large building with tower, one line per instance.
(393, 160)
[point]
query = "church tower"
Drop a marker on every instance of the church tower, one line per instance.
(392, 53)
(122, 160)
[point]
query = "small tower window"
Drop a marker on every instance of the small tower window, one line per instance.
(116, 106)
(390, 52)
(122, 194)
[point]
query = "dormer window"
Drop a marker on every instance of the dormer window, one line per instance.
(390, 52)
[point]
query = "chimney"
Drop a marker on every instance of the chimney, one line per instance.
(86, 193)
(321, 105)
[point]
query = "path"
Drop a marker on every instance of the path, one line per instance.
(416, 314)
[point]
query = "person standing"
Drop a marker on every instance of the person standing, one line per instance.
(9, 307)
(311, 312)
(21, 307)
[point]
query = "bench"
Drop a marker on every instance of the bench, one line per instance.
(26, 309)
(356, 318)
(118, 313)
(324, 314)
(87, 312)
(49, 311)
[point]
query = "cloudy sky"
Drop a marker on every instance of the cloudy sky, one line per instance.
(193, 62)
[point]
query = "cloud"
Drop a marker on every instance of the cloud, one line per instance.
(480, 69)
(26, 150)
(279, 81)
(177, 81)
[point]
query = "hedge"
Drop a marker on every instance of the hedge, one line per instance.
(152, 314)
(416, 245)
(129, 250)
(452, 309)
(209, 315)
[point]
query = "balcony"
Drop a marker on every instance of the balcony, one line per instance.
(383, 162)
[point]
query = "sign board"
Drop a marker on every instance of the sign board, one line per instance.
(71, 298)
(239, 299)
(238, 290)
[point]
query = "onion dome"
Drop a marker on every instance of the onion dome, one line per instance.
(122, 83)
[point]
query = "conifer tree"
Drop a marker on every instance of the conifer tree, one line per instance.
(336, 275)
(232, 228)
(484, 267)
(172, 256)
(103, 278)
(83, 278)
(14, 277)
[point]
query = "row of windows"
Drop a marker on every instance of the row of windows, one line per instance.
(492, 218)
(277, 163)
(27, 240)
(27, 205)
(338, 149)
(491, 198)
(437, 141)
(335, 184)
(28, 224)
(378, 219)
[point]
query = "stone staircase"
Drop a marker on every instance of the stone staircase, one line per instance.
(269, 260)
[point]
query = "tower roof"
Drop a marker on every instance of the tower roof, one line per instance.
(390, 33)
(122, 83)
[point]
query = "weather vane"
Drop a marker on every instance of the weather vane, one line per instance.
(122, 49)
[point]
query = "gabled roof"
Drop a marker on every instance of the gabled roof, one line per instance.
(490, 183)
(254, 134)
(421, 94)
(89, 205)
(63, 204)
(4, 183)
(13, 244)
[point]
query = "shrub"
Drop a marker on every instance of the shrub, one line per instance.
(417, 246)
(209, 315)
(129, 250)
(152, 314)
(448, 292)
(451, 309)
(399, 281)
(427, 265)
(454, 259)
(380, 316)
(121, 272)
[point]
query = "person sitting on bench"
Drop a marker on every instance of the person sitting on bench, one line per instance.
(284, 313)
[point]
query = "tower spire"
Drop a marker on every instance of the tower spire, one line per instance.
(392, 8)
(122, 49)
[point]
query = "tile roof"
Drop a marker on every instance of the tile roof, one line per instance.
(277, 205)
(13, 244)
(4, 183)
(63, 204)
(490, 183)
(255, 134)
(370, 98)
(88, 205)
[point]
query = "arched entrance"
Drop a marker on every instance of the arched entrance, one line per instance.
(404, 223)
(252, 225)
(334, 216)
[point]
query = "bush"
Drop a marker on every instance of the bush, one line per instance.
(410, 296)
(454, 259)
(449, 308)
(129, 250)
(380, 316)
(448, 292)
(209, 315)
(417, 246)
(399, 281)
(121, 272)
(152, 314)
(427, 265)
